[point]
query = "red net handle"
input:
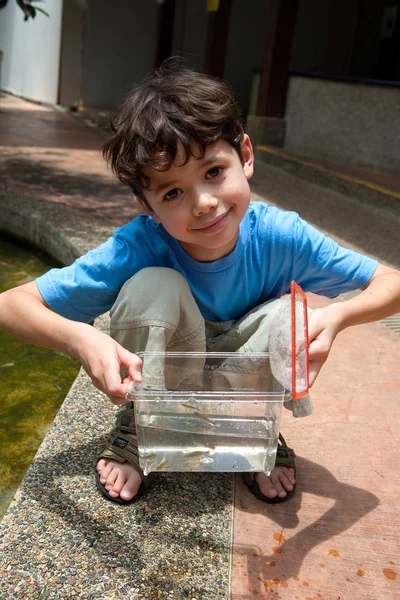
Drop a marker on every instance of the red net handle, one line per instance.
(304, 358)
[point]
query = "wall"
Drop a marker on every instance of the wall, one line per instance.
(190, 32)
(119, 48)
(71, 53)
(338, 37)
(245, 41)
(342, 122)
(317, 47)
(245, 51)
(31, 51)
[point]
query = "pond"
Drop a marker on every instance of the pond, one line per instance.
(34, 381)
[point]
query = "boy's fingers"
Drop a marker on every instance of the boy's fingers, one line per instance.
(132, 362)
(113, 385)
(315, 326)
(314, 369)
(318, 350)
(117, 400)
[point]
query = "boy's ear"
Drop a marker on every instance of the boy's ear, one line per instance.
(147, 209)
(248, 157)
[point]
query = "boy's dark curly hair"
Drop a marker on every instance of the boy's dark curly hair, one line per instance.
(171, 105)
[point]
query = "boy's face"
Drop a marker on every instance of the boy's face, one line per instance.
(202, 203)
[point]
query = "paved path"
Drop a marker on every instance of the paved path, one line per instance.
(337, 538)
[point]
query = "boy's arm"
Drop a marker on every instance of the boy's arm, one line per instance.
(25, 314)
(379, 298)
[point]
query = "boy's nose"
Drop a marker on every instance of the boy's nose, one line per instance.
(203, 203)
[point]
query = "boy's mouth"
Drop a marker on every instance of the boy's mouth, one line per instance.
(215, 225)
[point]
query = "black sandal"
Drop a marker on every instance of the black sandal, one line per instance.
(285, 457)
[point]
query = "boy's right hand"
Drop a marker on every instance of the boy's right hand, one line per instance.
(102, 358)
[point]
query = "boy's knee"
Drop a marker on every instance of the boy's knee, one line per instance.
(151, 293)
(151, 283)
(156, 278)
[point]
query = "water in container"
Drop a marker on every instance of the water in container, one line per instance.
(207, 412)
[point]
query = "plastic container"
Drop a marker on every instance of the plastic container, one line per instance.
(207, 412)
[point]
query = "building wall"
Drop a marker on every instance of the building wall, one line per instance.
(190, 32)
(344, 122)
(337, 37)
(71, 53)
(119, 48)
(245, 51)
(317, 47)
(245, 41)
(31, 52)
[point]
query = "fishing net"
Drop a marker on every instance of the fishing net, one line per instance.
(288, 343)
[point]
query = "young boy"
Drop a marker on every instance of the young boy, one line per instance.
(202, 268)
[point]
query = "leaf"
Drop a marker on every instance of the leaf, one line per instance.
(42, 11)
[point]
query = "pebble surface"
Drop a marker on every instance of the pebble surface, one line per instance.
(61, 539)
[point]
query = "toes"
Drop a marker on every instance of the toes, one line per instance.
(266, 486)
(101, 465)
(105, 473)
(110, 480)
(126, 485)
(280, 481)
(129, 490)
(120, 480)
(277, 483)
(116, 486)
(289, 472)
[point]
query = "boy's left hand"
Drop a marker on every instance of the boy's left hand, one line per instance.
(323, 327)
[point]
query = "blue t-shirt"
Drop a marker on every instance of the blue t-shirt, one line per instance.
(274, 247)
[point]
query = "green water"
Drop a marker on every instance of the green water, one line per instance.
(33, 381)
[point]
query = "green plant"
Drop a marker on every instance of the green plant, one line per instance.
(27, 8)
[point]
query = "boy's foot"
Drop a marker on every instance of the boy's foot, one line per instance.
(121, 480)
(281, 483)
(118, 474)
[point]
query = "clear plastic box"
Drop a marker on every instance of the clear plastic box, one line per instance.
(207, 412)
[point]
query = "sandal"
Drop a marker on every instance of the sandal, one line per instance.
(123, 448)
(284, 457)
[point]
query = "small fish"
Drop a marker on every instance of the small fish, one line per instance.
(196, 453)
(151, 456)
(162, 465)
(203, 418)
(198, 414)
(188, 406)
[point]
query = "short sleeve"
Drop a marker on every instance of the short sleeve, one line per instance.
(322, 266)
(90, 286)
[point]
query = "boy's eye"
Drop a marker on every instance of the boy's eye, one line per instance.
(173, 194)
(214, 172)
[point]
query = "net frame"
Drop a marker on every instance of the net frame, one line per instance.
(294, 290)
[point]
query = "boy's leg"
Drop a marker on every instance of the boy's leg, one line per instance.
(155, 311)
(250, 334)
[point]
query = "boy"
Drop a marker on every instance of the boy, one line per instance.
(202, 268)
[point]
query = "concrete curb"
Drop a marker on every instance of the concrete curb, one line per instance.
(364, 191)
(59, 538)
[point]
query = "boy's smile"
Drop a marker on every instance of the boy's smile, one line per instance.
(201, 203)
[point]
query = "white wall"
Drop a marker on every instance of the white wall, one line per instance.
(31, 51)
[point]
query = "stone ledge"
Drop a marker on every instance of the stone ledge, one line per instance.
(59, 538)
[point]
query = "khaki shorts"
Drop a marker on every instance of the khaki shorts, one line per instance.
(156, 312)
